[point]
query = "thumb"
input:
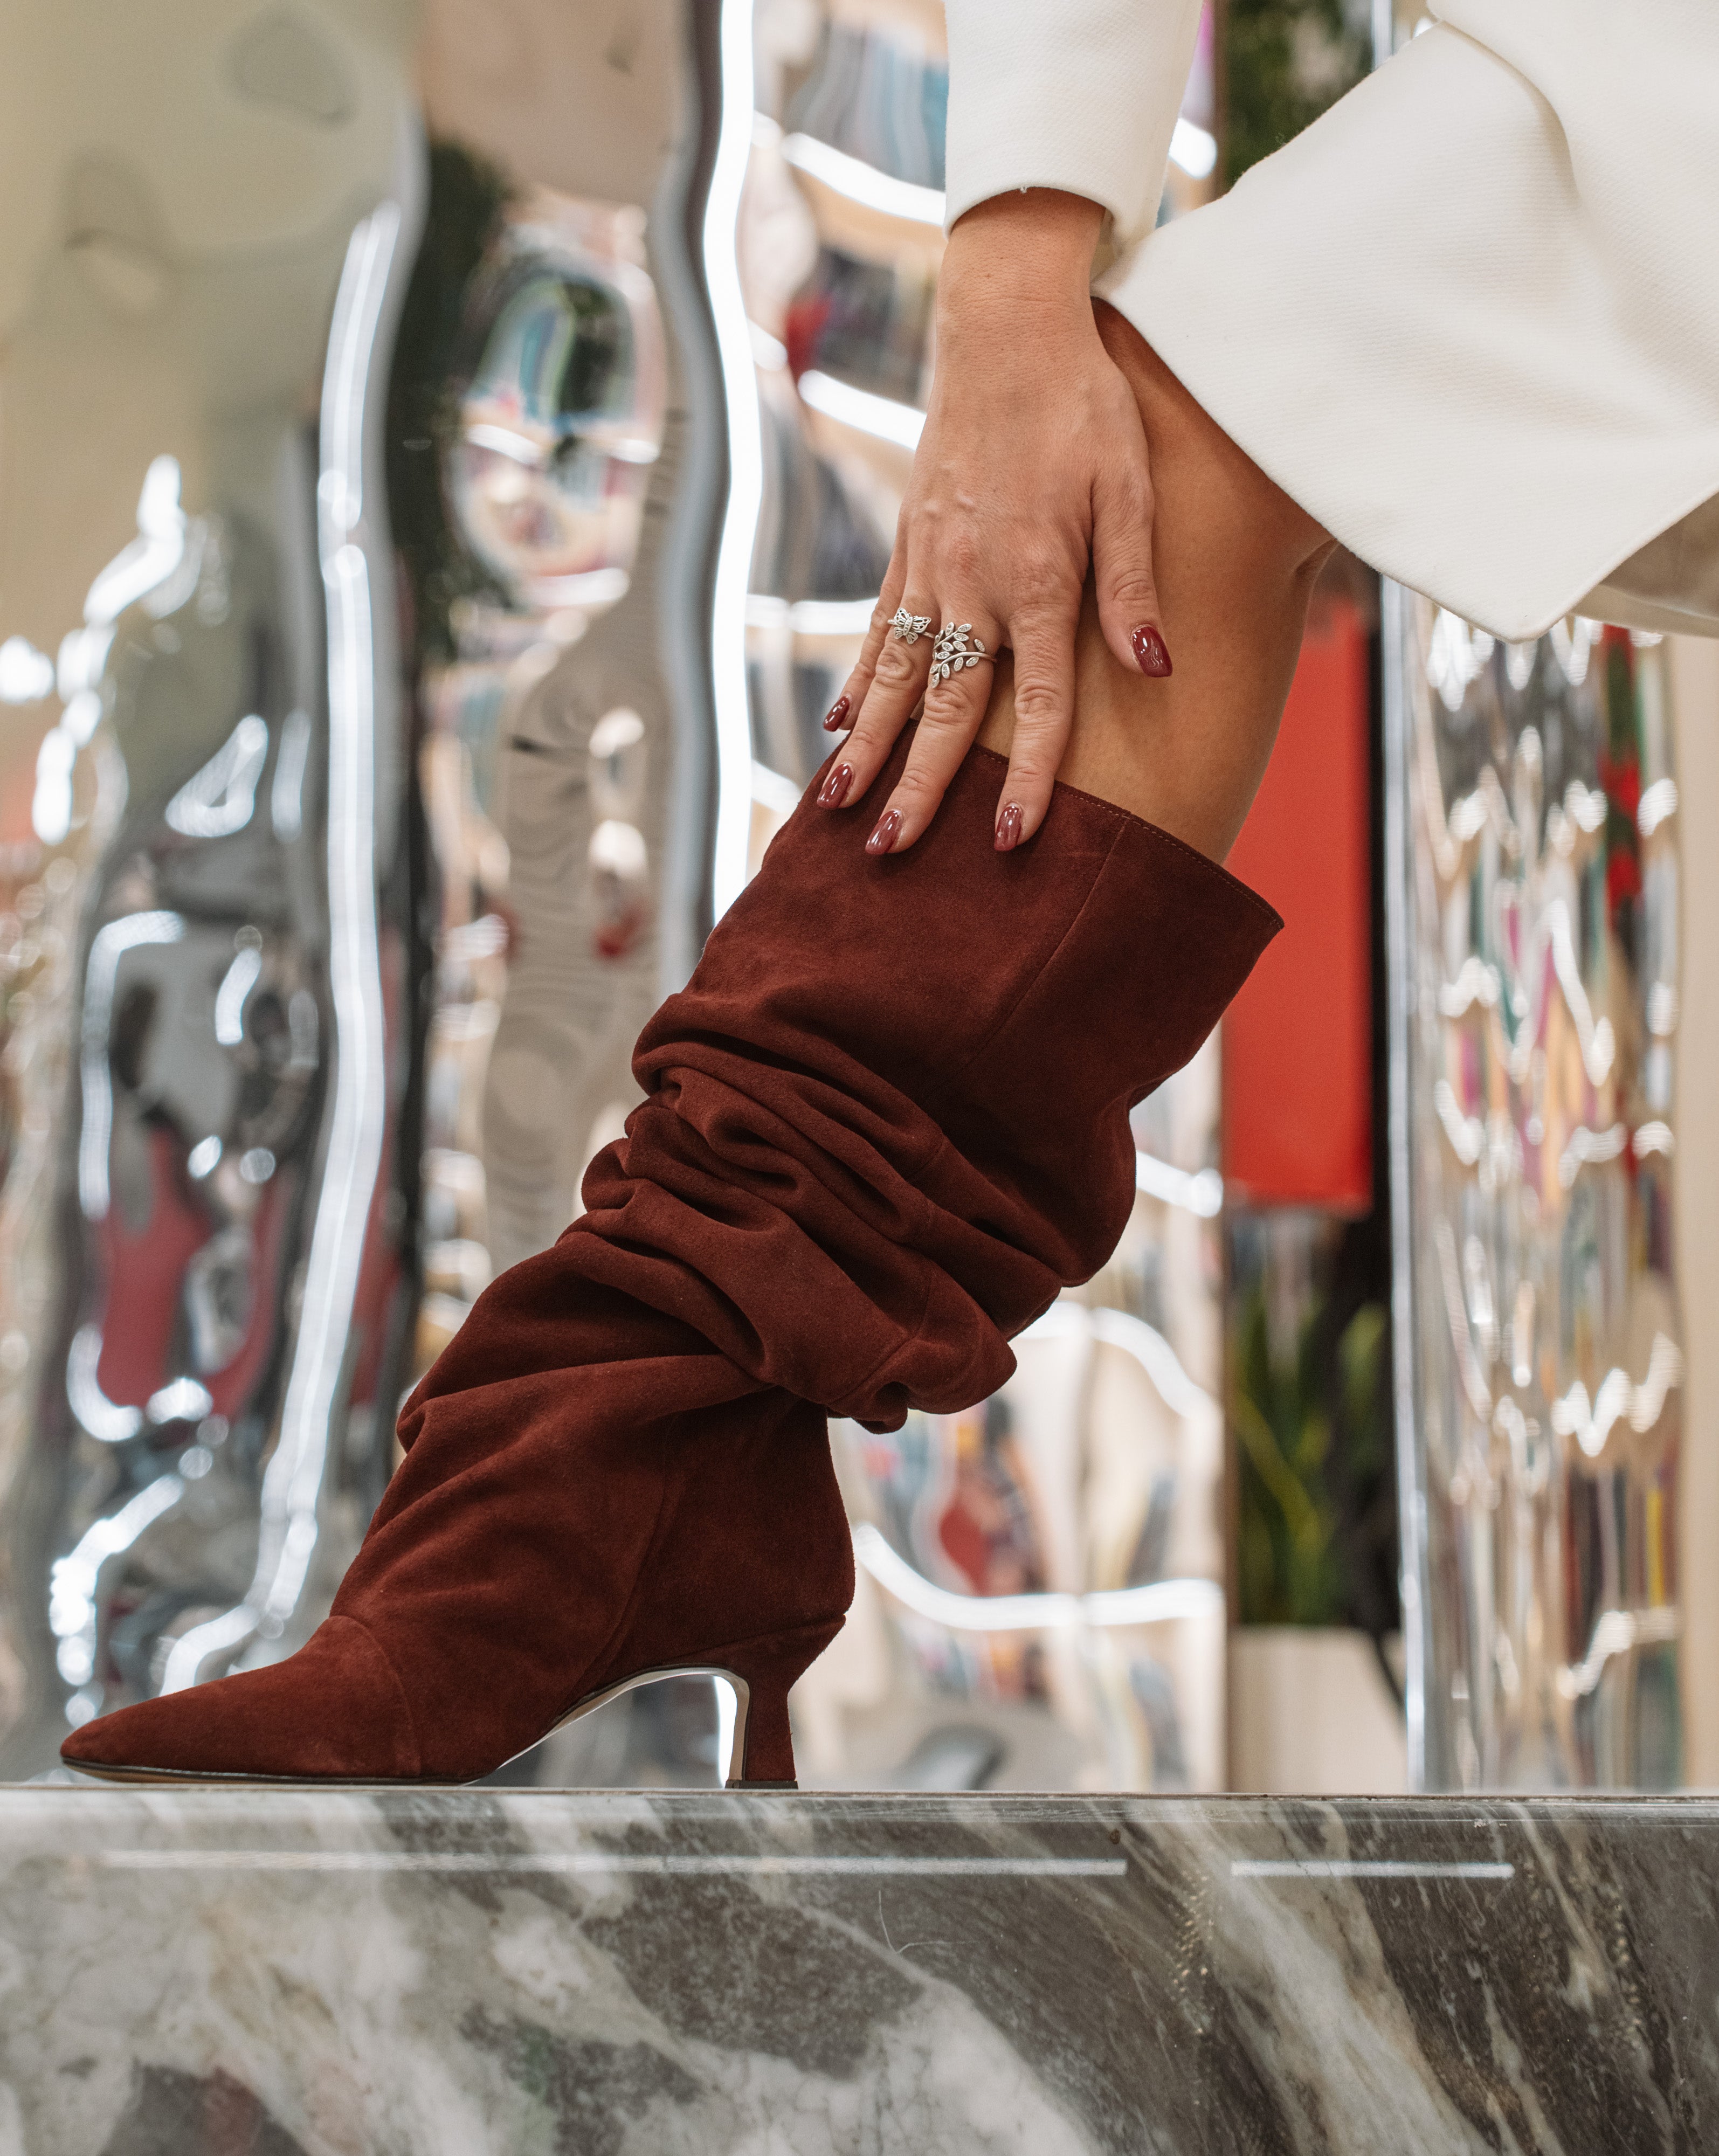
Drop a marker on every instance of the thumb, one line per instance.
(1128, 610)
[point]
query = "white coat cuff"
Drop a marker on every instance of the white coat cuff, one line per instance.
(1079, 95)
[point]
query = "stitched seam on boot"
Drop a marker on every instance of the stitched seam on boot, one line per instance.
(399, 1686)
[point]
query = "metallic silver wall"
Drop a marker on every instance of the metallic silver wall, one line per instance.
(289, 834)
(1534, 875)
(207, 789)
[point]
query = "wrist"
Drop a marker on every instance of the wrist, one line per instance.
(1031, 248)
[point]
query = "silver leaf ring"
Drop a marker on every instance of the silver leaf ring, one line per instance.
(956, 647)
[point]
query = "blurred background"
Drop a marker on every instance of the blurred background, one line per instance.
(447, 458)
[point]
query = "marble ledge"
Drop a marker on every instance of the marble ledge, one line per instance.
(459, 1973)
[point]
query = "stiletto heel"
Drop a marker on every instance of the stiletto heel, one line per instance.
(762, 1673)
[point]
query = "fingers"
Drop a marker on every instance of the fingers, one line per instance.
(852, 695)
(1128, 609)
(1043, 643)
(897, 679)
(957, 691)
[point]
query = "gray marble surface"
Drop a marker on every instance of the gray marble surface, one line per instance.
(450, 1974)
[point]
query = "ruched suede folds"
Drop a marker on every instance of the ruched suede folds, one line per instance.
(887, 1120)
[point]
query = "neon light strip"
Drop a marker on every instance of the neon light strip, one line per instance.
(101, 974)
(746, 461)
(237, 982)
(882, 416)
(355, 974)
(1115, 1328)
(1156, 1604)
(605, 1863)
(1202, 1193)
(1194, 149)
(772, 790)
(863, 183)
(73, 1578)
(830, 617)
(107, 1421)
(810, 616)
(1341, 1867)
(287, 796)
(72, 1615)
(293, 1479)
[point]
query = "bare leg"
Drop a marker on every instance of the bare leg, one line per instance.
(1236, 562)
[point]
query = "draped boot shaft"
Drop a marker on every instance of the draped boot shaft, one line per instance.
(887, 1120)
(884, 1124)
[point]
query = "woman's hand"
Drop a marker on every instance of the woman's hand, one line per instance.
(1032, 465)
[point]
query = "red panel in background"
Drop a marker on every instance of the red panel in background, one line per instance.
(1298, 1039)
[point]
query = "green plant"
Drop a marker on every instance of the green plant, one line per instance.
(1312, 1430)
(1285, 61)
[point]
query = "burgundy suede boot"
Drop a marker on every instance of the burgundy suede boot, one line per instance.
(886, 1121)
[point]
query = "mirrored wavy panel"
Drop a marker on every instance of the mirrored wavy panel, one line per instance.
(1540, 906)
(205, 893)
(362, 473)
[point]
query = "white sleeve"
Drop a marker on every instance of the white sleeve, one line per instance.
(1079, 94)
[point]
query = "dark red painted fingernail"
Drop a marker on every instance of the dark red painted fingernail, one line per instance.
(1008, 829)
(836, 717)
(1149, 651)
(835, 789)
(889, 827)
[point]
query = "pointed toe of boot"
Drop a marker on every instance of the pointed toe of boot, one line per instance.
(332, 1712)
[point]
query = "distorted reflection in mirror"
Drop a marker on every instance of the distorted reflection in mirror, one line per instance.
(1545, 1332)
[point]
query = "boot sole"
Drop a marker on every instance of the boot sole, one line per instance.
(740, 1691)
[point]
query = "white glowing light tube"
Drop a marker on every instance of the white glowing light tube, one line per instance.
(152, 556)
(1193, 148)
(746, 461)
(294, 1479)
(101, 974)
(72, 1582)
(360, 1106)
(107, 1421)
(882, 416)
(810, 616)
(1200, 1192)
(1159, 1603)
(773, 791)
(1133, 1335)
(864, 183)
(237, 982)
(287, 796)
(26, 675)
(218, 799)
